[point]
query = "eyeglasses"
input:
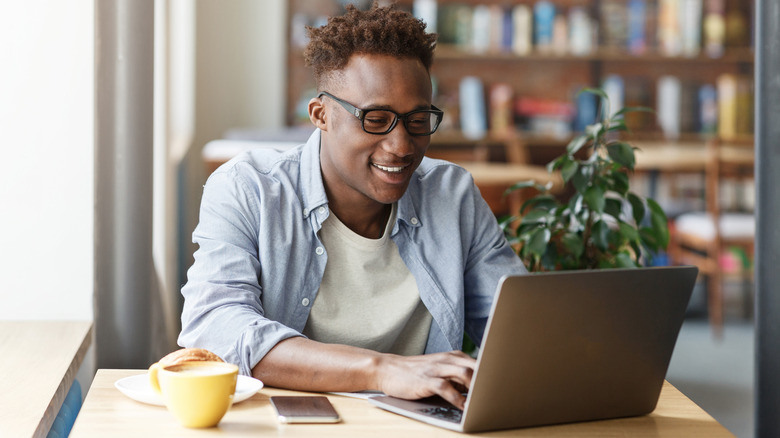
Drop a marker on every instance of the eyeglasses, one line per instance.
(381, 121)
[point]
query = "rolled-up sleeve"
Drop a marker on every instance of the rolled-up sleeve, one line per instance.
(223, 298)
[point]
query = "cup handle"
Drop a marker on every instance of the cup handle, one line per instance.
(153, 377)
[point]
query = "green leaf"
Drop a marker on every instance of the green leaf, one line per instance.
(632, 109)
(536, 216)
(624, 260)
(550, 258)
(543, 202)
(613, 207)
(594, 198)
(620, 183)
(576, 144)
(595, 131)
(573, 244)
(659, 223)
(597, 91)
(575, 204)
(617, 125)
(524, 185)
(628, 232)
(637, 208)
(556, 164)
(622, 153)
(648, 238)
(600, 235)
(581, 179)
(568, 169)
(537, 243)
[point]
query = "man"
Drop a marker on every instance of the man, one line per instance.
(351, 262)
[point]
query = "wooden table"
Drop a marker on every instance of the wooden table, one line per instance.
(107, 412)
(39, 364)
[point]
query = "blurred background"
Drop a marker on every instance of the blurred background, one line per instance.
(506, 72)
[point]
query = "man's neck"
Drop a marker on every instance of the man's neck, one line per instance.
(367, 222)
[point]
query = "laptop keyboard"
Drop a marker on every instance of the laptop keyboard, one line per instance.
(450, 414)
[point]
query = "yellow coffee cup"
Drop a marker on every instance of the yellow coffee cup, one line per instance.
(198, 393)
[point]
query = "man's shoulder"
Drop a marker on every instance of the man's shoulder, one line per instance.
(261, 162)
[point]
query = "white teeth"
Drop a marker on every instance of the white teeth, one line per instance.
(390, 169)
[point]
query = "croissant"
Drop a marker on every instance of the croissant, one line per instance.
(189, 355)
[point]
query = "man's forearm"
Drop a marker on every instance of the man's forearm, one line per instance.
(302, 364)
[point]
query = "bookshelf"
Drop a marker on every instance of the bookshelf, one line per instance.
(545, 76)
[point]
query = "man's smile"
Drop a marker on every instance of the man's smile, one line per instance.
(391, 169)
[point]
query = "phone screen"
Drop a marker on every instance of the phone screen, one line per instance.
(304, 409)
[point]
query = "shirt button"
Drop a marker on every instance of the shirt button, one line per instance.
(305, 211)
(319, 250)
(321, 210)
(414, 221)
(305, 302)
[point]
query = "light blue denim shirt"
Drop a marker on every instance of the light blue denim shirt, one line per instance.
(260, 261)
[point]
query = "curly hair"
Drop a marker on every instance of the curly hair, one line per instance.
(379, 31)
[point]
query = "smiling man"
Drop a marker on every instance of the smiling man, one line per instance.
(351, 262)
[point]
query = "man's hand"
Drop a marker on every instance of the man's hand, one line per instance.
(445, 374)
(306, 365)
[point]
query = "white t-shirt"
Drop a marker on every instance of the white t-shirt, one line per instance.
(367, 298)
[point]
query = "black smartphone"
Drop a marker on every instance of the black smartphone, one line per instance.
(304, 409)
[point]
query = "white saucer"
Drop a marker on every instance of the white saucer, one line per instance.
(138, 388)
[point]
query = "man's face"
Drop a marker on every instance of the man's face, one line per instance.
(358, 167)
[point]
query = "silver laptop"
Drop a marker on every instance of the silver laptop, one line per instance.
(568, 346)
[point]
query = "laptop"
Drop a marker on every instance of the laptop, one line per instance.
(568, 346)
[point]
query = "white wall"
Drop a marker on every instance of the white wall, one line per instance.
(240, 80)
(46, 181)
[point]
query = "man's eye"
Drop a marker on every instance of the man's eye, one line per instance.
(377, 120)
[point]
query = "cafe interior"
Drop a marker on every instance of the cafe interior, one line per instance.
(114, 113)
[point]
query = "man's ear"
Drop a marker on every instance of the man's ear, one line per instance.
(317, 113)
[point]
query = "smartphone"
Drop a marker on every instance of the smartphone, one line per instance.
(304, 409)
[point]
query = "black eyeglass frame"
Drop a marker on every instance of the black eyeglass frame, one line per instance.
(360, 114)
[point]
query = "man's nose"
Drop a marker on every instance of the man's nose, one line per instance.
(399, 142)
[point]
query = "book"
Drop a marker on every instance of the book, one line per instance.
(501, 118)
(544, 16)
(669, 32)
(727, 106)
(560, 40)
(522, 26)
(669, 106)
(637, 17)
(545, 117)
(744, 103)
(714, 28)
(613, 16)
(689, 106)
(585, 111)
(496, 29)
(480, 30)
(473, 118)
(708, 109)
(614, 87)
(446, 23)
(580, 31)
(507, 30)
(690, 27)
(636, 94)
(463, 26)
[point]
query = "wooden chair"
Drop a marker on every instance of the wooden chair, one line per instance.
(697, 240)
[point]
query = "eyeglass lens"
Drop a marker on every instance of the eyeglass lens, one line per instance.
(418, 122)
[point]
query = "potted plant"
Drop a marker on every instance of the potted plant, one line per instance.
(602, 224)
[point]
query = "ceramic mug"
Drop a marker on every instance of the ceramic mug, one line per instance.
(198, 393)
